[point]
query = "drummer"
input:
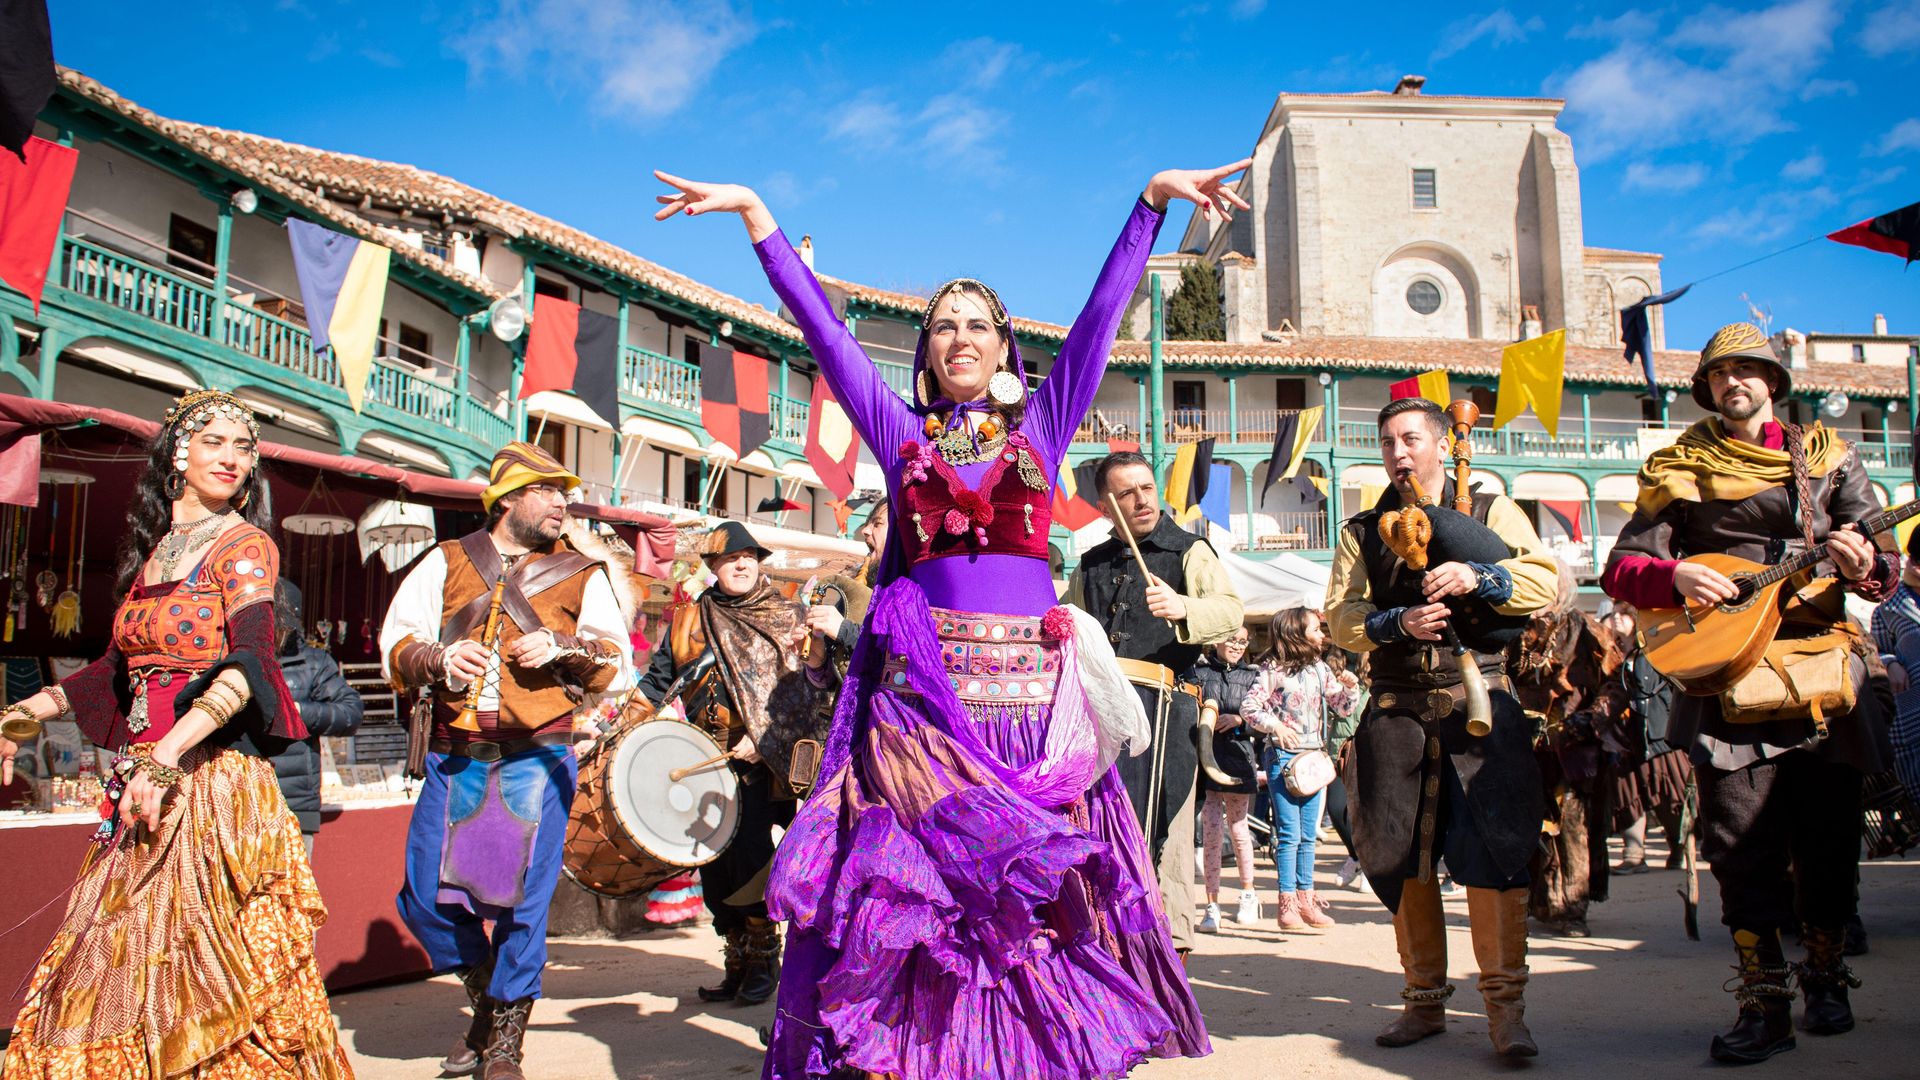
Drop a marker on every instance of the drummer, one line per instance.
(505, 670)
(748, 623)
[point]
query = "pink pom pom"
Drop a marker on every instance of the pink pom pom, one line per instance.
(956, 523)
(909, 450)
(980, 534)
(1057, 623)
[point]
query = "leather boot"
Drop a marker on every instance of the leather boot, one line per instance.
(464, 1060)
(1765, 1026)
(762, 972)
(1825, 978)
(735, 966)
(1498, 918)
(501, 1061)
(1420, 932)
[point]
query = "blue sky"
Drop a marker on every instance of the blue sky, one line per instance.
(918, 142)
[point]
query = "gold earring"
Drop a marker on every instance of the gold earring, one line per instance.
(923, 387)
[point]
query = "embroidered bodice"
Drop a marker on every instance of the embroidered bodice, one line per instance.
(182, 625)
(1008, 513)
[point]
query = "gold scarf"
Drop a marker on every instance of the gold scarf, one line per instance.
(1704, 464)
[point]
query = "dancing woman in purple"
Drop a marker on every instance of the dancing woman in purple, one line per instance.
(967, 890)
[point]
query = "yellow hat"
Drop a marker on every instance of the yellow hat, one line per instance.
(1743, 340)
(519, 464)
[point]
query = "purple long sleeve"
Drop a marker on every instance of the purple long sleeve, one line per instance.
(881, 417)
(1068, 391)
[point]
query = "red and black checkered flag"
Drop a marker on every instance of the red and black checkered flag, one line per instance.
(733, 398)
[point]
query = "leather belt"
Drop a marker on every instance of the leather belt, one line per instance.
(1157, 676)
(1434, 701)
(481, 750)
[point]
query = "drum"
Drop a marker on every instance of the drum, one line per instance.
(632, 826)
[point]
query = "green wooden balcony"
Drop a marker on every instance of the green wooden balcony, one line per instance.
(100, 292)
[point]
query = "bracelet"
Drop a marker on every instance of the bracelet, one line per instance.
(165, 776)
(59, 695)
(18, 723)
(215, 710)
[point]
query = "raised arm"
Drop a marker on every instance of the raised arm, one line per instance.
(880, 416)
(1070, 386)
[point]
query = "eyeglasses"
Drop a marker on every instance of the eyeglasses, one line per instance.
(549, 492)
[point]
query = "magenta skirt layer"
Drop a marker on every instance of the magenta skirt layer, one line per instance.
(943, 925)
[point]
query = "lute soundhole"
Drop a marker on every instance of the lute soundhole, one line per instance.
(1744, 597)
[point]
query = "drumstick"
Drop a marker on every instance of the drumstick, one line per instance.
(678, 775)
(1120, 524)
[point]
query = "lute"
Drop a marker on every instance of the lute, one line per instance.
(1706, 648)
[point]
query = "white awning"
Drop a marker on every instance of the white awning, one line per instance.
(1560, 487)
(665, 435)
(556, 405)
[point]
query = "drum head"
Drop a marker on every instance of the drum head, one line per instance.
(686, 822)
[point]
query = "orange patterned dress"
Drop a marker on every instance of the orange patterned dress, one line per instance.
(189, 951)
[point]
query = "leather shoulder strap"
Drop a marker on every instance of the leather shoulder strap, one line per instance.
(479, 550)
(1802, 486)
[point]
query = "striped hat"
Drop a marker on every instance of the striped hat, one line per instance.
(519, 464)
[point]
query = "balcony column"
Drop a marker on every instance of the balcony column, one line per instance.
(462, 355)
(222, 249)
(1593, 528)
(1140, 389)
(1586, 420)
(1333, 474)
(1156, 379)
(1247, 481)
(784, 371)
(620, 356)
(1233, 410)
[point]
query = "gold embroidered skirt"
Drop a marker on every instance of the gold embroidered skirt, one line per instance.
(188, 951)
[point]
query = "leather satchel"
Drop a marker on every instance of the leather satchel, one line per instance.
(1806, 678)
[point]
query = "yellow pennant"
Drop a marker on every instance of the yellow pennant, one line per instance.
(1532, 373)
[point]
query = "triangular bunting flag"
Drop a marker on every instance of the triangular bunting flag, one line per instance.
(1532, 372)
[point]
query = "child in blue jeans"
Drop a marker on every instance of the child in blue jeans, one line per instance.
(1290, 702)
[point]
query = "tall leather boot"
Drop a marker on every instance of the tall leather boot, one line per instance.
(464, 1060)
(1765, 1026)
(1498, 918)
(1825, 979)
(762, 973)
(1420, 931)
(501, 1061)
(735, 967)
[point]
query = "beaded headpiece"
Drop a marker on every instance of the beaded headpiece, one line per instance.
(995, 309)
(192, 412)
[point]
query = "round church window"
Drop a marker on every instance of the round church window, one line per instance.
(1424, 297)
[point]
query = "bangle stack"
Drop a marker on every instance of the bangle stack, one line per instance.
(220, 703)
(18, 723)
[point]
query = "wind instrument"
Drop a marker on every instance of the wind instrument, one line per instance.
(1407, 532)
(469, 718)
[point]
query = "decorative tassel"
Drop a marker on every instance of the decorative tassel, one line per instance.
(1027, 510)
(66, 614)
(920, 530)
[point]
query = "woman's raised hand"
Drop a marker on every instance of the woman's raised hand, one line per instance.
(1205, 188)
(695, 197)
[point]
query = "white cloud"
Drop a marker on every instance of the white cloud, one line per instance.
(1246, 9)
(1894, 28)
(642, 57)
(958, 124)
(1631, 25)
(1905, 135)
(1815, 89)
(1719, 76)
(1497, 27)
(1805, 168)
(1679, 176)
(870, 120)
(1768, 218)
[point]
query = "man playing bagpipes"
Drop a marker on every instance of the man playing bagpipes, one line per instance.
(506, 631)
(1778, 762)
(1442, 763)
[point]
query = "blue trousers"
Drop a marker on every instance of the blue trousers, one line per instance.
(456, 938)
(1296, 826)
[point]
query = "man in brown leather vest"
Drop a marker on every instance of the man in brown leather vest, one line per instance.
(751, 682)
(507, 630)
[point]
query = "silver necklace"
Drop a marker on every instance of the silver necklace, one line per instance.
(185, 537)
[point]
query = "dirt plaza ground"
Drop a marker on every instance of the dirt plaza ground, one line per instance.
(1636, 999)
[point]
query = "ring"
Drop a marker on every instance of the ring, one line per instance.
(135, 809)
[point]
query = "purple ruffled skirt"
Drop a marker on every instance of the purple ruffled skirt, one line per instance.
(943, 924)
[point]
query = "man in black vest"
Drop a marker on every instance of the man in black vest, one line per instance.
(1420, 786)
(1158, 628)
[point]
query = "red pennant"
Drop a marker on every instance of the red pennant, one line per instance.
(832, 447)
(33, 199)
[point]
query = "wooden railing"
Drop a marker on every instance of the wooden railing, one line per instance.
(170, 299)
(659, 379)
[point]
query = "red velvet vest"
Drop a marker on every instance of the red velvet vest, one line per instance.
(1008, 514)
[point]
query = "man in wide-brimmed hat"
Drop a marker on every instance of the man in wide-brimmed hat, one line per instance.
(504, 669)
(1779, 799)
(743, 699)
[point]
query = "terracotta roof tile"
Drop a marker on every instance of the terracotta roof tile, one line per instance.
(1406, 356)
(258, 172)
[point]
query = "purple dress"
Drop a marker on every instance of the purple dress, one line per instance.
(967, 891)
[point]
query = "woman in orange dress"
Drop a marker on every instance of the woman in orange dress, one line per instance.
(187, 947)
